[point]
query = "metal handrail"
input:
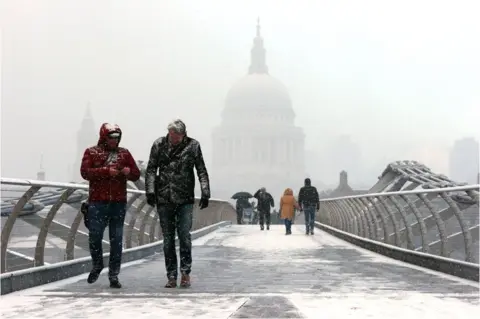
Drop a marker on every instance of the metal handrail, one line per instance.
(32, 182)
(413, 219)
(465, 188)
(135, 228)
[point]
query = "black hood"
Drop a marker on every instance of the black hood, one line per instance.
(308, 182)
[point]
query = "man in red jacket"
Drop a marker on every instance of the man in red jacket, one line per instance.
(107, 167)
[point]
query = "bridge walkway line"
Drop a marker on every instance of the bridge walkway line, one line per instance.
(242, 272)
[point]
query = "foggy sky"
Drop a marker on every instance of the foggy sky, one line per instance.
(401, 79)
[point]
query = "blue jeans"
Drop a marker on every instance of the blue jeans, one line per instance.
(288, 225)
(176, 218)
(309, 217)
(101, 215)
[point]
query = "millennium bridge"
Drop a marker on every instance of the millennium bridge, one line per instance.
(406, 247)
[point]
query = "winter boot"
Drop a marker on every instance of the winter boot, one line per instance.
(311, 232)
(171, 283)
(268, 227)
(94, 274)
(261, 227)
(185, 281)
(114, 283)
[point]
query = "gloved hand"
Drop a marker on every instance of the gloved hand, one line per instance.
(203, 202)
(151, 199)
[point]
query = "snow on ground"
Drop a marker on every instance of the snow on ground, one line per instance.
(214, 236)
(61, 283)
(408, 305)
(39, 290)
(38, 303)
(267, 240)
(154, 308)
(344, 306)
(325, 238)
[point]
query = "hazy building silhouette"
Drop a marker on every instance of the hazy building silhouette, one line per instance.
(464, 160)
(343, 188)
(41, 171)
(87, 136)
(257, 143)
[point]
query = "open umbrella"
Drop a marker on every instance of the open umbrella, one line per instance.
(242, 195)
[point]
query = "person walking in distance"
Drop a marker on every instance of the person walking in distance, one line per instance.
(242, 203)
(170, 185)
(287, 209)
(265, 201)
(309, 202)
(107, 167)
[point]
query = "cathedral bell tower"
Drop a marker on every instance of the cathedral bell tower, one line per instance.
(41, 171)
(86, 136)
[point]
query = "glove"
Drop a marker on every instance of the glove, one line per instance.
(203, 202)
(151, 199)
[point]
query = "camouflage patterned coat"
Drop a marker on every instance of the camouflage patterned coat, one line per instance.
(170, 174)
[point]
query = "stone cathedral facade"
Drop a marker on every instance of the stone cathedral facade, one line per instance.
(257, 143)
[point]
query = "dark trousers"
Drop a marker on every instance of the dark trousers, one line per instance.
(309, 217)
(176, 218)
(264, 217)
(288, 225)
(101, 215)
(239, 216)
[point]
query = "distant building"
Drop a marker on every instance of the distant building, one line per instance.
(41, 171)
(343, 188)
(464, 161)
(257, 143)
(86, 136)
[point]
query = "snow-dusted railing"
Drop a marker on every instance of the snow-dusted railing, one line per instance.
(438, 221)
(73, 232)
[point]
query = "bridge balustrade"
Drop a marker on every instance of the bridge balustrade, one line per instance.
(50, 212)
(431, 221)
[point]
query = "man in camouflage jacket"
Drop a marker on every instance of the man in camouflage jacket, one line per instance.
(170, 185)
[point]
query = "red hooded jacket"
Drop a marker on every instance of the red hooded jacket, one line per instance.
(96, 170)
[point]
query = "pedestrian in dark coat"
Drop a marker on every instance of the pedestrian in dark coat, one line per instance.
(309, 202)
(170, 185)
(265, 201)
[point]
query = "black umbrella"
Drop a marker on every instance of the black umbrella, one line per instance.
(242, 195)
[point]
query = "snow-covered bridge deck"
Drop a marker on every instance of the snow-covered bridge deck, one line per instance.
(241, 272)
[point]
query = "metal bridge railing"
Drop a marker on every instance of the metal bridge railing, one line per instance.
(48, 213)
(441, 221)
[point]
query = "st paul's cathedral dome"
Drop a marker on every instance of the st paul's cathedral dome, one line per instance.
(257, 143)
